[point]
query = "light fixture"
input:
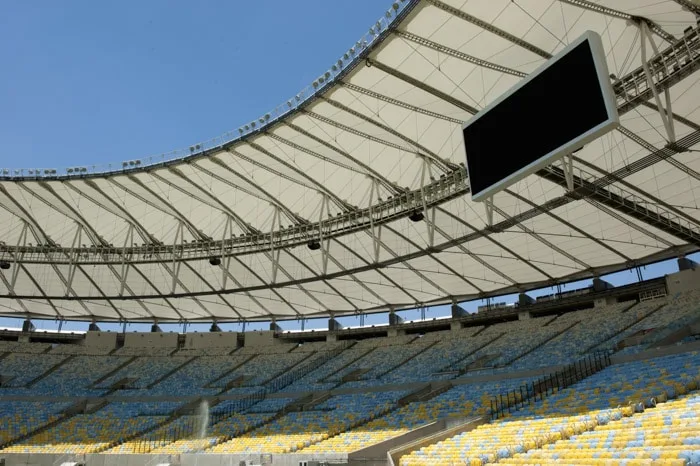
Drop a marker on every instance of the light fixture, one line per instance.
(215, 260)
(416, 216)
(4, 265)
(314, 245)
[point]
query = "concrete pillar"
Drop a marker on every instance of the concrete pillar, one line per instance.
(524, 315)
(93, 327)
(28, 326)
(394, 319)
(274, 327)
(334, 325)
(601, 285)
(215, 327)
(455, 326)
(686, 264)
(525, 299)
(331, 337)
(458, 311)
(155, 328)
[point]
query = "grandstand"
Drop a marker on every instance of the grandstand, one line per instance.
(601, 374)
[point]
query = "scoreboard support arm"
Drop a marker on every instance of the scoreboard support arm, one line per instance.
(488, 204)
(666, 113)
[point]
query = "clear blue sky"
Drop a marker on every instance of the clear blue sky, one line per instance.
(85, 82)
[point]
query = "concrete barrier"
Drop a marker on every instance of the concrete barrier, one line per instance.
(394, 455)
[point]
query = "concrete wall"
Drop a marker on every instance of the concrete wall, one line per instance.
(449, 430)
(602, 302)
(102, 340)
(685, 280)
(150, 340)
(376, 454)
(261, 338)
(211, 340)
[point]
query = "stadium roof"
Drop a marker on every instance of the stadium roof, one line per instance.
(346, 161)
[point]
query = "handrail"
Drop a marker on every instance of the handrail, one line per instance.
(514, 400)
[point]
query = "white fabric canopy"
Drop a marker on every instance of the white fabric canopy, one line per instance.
(136, 244)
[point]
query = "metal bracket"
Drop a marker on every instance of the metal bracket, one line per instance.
(21, 242)
(666, 113)
(567, 166)
(226, 259)
(428, 216)
(75, 251)
(178, 244)
(488, 204)
(275, 252)
(128, 240)
(325, 212)
(375, 231)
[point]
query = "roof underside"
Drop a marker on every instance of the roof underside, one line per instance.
(377, 133)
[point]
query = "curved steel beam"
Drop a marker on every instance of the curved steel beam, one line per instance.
(120, 211)
(490, 28)
(397, 102)
(423, 86)
(457, 54)
(444, 165)
(293, 217)
(603, 10)
(317, 186)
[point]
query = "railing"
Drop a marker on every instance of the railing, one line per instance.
(528, 393)
(355, 54)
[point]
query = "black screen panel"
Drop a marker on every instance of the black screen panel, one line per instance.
(555, 107)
